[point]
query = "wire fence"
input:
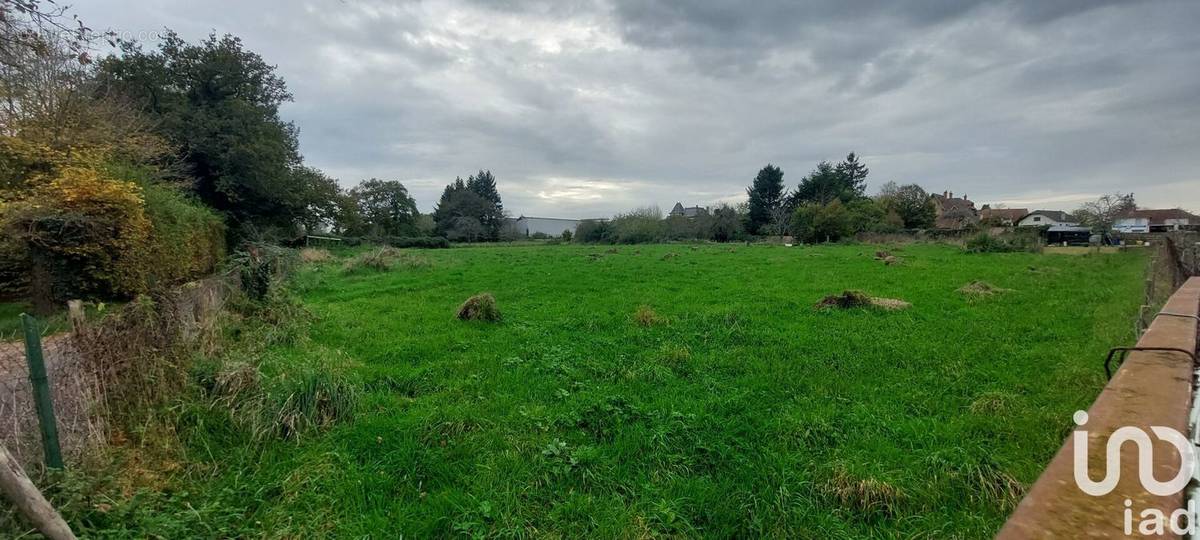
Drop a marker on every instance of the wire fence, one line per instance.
(70, 398)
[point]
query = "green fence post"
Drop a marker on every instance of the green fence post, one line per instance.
(41, 392)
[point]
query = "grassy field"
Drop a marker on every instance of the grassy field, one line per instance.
(733, 409)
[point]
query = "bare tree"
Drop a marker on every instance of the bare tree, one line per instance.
(1101, 213)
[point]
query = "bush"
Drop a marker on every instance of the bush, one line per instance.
(986, 243)
(421, 242)
(592, 231)
(566, 235)
(813, 223)
(87, 235)
(640, 226)
(261, 268)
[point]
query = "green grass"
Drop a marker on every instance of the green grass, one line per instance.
(736, 410)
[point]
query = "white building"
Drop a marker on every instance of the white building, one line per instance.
(1042, 218)
(1168, 219)
(528, 226)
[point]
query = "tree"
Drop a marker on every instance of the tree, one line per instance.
(910, 202)
(318, 195)
(830, 222)
(766, 196)
(386, 207)
(854, 175)
(484, 184)
(218, 103)
(476, 198)
(725, 224)
(1101, 213)
(845, 181)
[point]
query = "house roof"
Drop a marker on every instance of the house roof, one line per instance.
(1056, 215)
(1159, 217)
(677, 209)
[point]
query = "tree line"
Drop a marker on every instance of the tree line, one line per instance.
(146, 166)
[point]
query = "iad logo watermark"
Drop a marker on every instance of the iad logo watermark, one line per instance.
(1153, 521)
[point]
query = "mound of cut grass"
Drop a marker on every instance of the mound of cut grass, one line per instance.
(980, 289)
(481, 307)
(851, 299)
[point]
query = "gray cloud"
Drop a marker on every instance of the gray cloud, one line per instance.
(587, 108)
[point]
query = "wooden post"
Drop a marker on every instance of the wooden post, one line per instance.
(43, 401)
(76, 314)
(29, 501)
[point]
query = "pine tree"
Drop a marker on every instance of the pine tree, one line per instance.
(854, 175)
(766, 196)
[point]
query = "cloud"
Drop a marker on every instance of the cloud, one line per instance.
(590, 108)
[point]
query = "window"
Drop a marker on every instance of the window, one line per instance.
(1037, 218)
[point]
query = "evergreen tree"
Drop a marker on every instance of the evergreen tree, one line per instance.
(766, 196)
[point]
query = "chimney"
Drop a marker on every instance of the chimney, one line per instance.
(946, 194)
(964, 196)
(951, 194)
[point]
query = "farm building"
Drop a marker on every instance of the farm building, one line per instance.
(1042, 218)
(529, 226)
(1144, 221)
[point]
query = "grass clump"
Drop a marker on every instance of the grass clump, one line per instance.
(481, 307)
(315, 255)
(385, 259)
(313, 401)
(864, 496)
(646, 317)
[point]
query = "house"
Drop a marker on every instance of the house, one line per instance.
(1143, 221)
(691, 211)
(954, 212)
(1042, 218)
(1002, 216)
(526, 226)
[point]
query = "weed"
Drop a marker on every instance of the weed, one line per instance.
(646, 317)
(384, 259)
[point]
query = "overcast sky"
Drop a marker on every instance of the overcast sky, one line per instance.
(582, 109)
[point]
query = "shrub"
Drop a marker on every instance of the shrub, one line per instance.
(566, 235)
(822, 223)
(481, 307)
(640, 226)
(261, 267)
(591, 231)
(422, 242)
(87, 236)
